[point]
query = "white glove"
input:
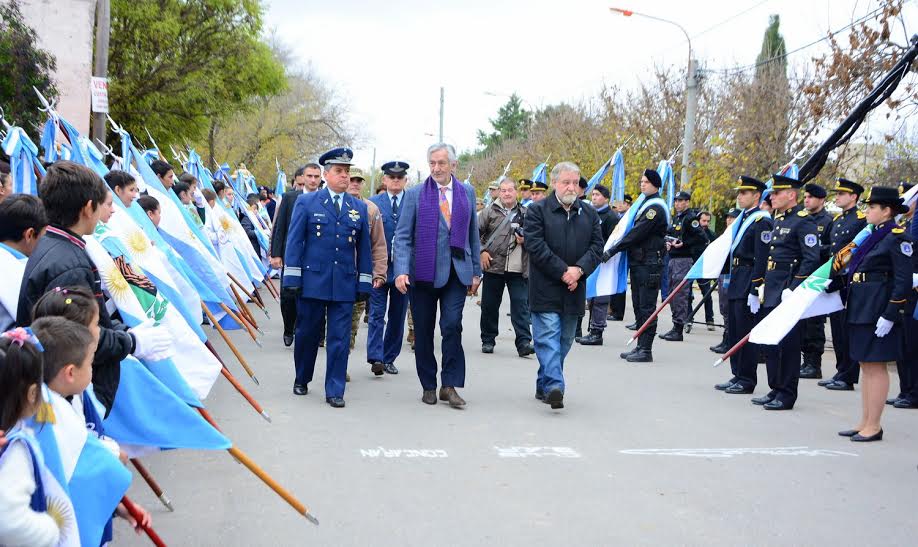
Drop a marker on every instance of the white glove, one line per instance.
(151, 342)
(786, 294)
(914, 280)
(754, 303)
(198, 198)
(883, 327)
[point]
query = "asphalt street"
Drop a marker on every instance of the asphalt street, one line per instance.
(642, 454)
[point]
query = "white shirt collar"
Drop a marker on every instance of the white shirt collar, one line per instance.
(333, 194)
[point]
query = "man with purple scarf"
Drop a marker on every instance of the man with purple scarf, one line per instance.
(435, 258)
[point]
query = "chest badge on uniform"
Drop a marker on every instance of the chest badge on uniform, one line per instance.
(678, 228)
(810, 240)
(906, 248)
(651, 213)
(766, 237)
(695, 224)
(354, 214)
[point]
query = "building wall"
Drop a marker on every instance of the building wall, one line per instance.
(65, 29)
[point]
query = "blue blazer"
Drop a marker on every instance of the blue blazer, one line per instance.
(390, 221)
(403, 254)
(328, 254)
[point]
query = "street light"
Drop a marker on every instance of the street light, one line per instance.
(691, 93)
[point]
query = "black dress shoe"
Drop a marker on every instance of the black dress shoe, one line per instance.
(640, 356)
(487, 348)
(540, 395)
(674, 334)
(824, 383)
(523, 351)
(288, 340)
(625, 354)
(632, 326)
(592, 339)
(810, 373)
(300, 389)
(777, 405)
(720, 348)
(555, 398)
(905, 403)
(848, 433)
(838, 385)
(763, 400)
(335, 402)
(739, 389)
(377, 368)
(723, 386)
(878, 436)
(429, 397)
(390, 368)
(892, 401)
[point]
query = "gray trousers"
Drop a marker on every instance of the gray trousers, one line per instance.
(678, 268)
(599, 310)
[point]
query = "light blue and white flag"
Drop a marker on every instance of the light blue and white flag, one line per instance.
(668, 191)
(618, 176)
(598, 176)
(96, 480)
(25, 169)
(611, 277)
(711, 262)
(12, 264)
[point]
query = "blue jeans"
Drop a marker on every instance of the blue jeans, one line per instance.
(553, 335)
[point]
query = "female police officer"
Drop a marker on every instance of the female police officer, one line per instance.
(879, 277)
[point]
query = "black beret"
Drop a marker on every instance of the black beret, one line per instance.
(815, 190)
(602, 190)
(653, 177)
(583, 182)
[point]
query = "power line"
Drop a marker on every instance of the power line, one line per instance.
(736, 70)
(716, 25)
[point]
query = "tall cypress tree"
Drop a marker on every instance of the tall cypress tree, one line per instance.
(773, 55)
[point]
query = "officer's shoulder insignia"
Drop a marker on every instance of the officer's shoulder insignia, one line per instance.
(766, 237)
(819, 228)
(802, 213)
(651, 213)
(898, 230)
(861, 215)
(695, 224)
(906, 248)
(838, 216)
(758, 218)
(810, 240)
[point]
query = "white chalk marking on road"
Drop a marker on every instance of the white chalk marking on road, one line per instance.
(731, 452)
(536, 452)
(381, 452)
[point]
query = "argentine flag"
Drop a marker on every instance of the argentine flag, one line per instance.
(24, 165)
(95, 479)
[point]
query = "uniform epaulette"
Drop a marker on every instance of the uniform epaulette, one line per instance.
(838, 216)
(758, 218)
(898, 230)
(802, 213)
(861, 215)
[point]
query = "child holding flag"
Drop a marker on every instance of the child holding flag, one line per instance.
(23, 503)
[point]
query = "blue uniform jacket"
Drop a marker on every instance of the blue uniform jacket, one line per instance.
(750, 258)
(390, 221)
(793, 253)
(328, 254)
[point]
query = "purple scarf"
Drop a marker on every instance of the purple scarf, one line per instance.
(861, 252)
(427, 227)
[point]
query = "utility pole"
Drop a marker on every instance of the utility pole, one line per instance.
(441, 114)
(691, 106)
(100, 62)
(373, 174)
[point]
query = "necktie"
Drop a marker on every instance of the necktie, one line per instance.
(444, 205)
(338, 204)
(394, 206)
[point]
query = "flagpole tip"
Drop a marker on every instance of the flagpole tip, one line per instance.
(718, 362)
(630, 341)
(258, 343)
(167, 502)
(254, 379)
(264, 414)
(311, 519)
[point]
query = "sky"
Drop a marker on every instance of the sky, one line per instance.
(388, 60)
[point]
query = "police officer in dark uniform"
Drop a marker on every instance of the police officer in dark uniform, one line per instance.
(685, 241)
(907, 367)
(814, 328)
(842, 230)
(328, 266)
(749, 257)
(879, 280)
(644, 244)
(793, 256)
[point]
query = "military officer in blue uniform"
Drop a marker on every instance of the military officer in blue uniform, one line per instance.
(879, 282)
(384, 338)
(328, 266)
(748, 260)
(842, 230)
(814, 328)
(793, 256)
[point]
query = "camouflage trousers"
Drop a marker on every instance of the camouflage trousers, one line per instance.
(359, 308)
